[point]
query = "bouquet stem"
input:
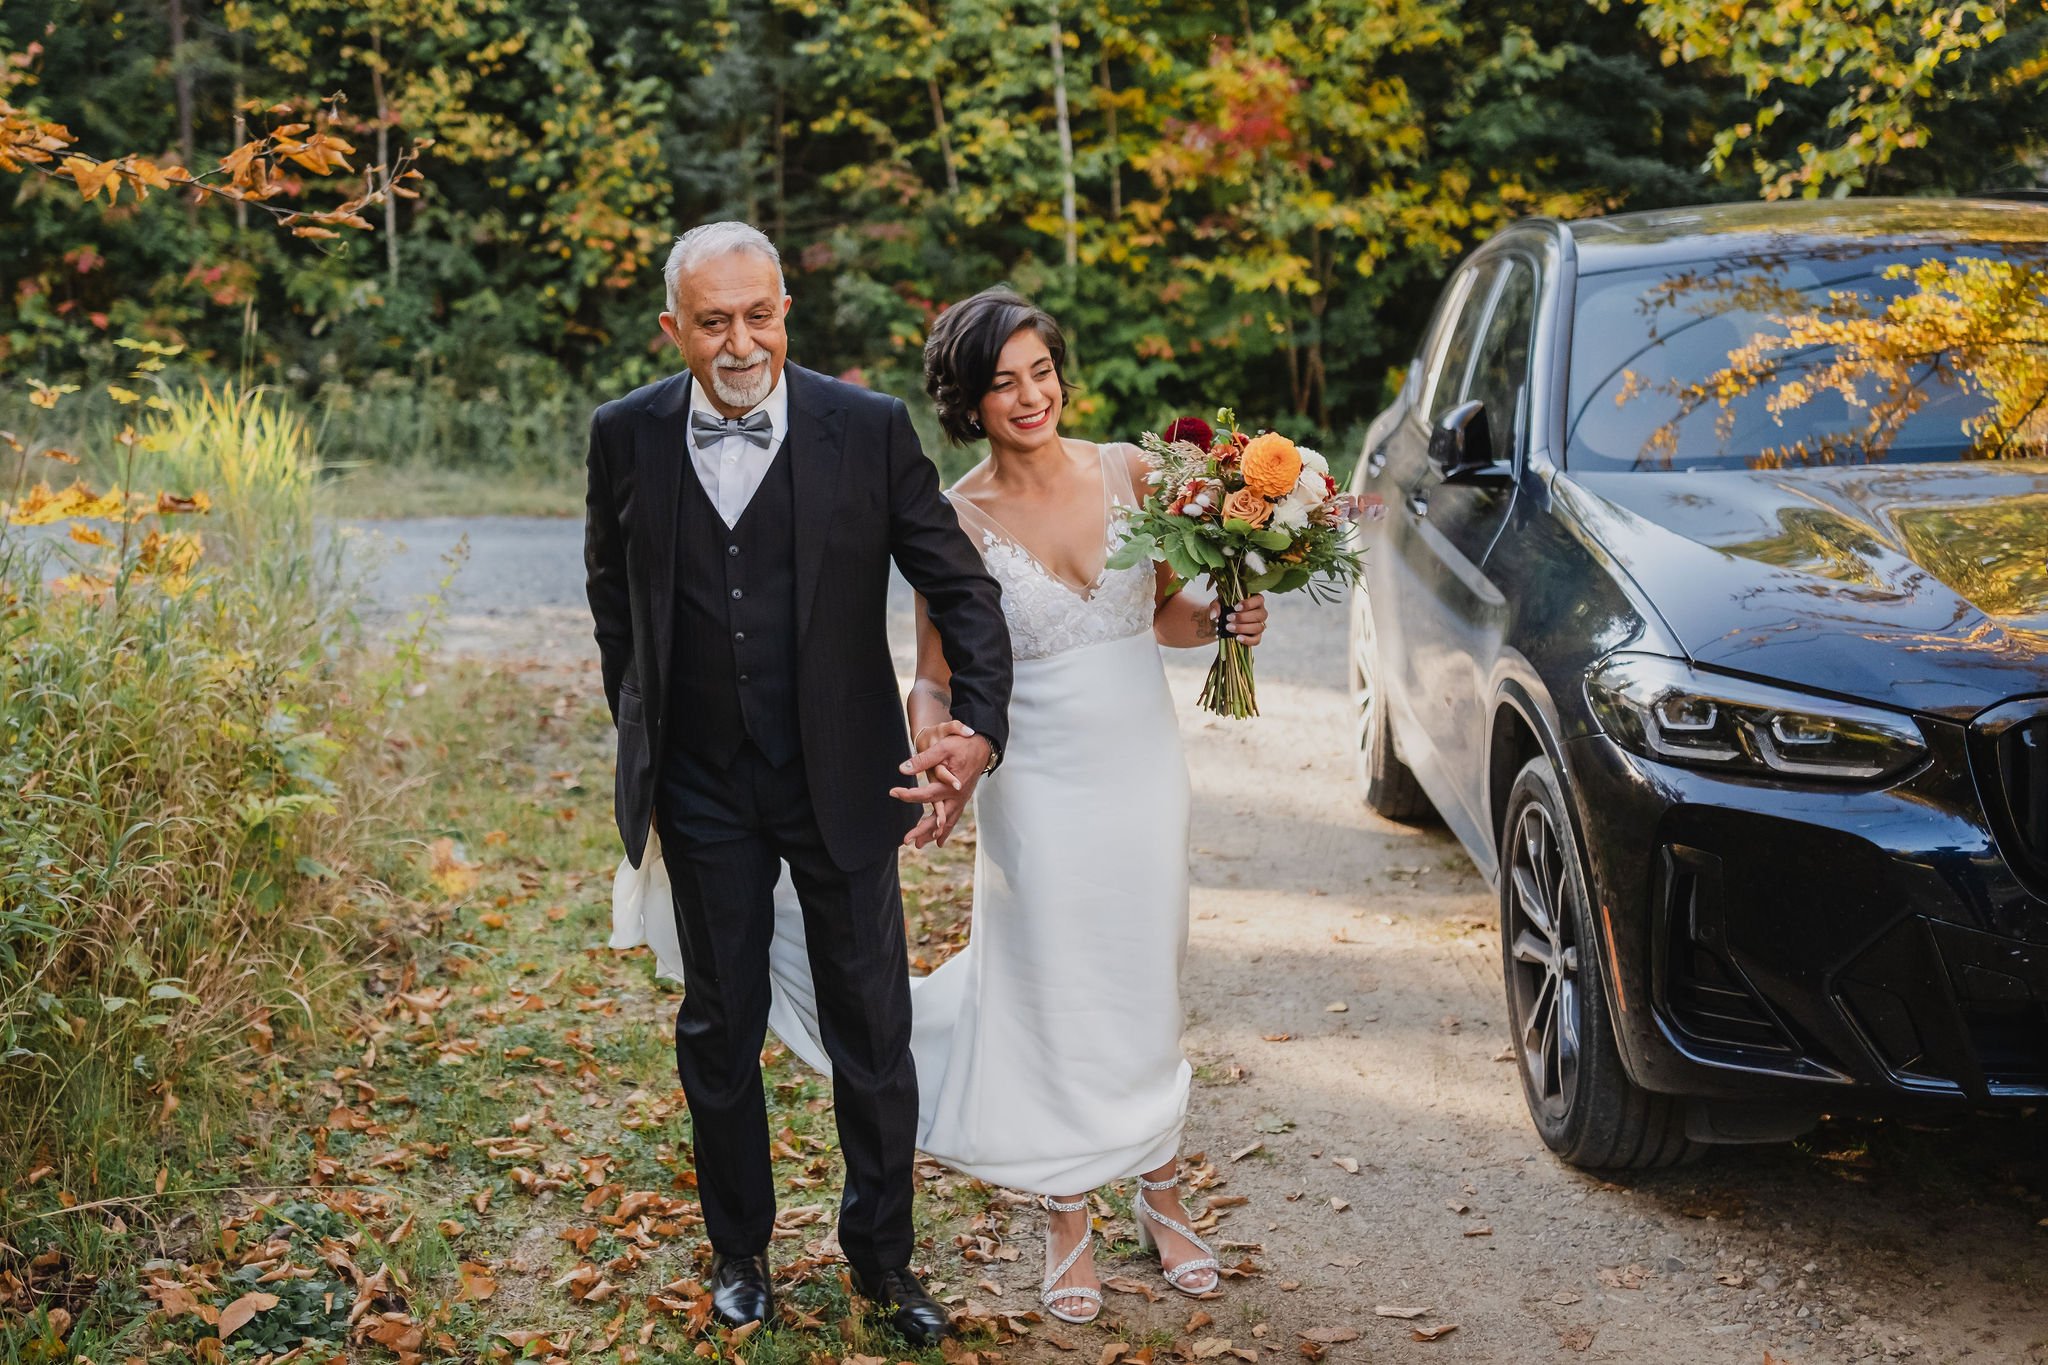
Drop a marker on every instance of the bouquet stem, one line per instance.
(1229, 690)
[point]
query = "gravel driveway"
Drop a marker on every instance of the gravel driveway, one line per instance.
(1343, 986)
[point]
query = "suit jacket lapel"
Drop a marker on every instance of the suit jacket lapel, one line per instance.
(816, 452)
(663, 483)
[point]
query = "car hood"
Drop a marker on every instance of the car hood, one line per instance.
(1923, 587)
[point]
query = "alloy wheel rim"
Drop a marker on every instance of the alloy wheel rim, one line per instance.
(1543, 963)
(1364, 696)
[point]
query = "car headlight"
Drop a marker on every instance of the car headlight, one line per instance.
(1667, 710)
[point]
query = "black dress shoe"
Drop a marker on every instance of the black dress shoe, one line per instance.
(901, 1301)
(740, 1291)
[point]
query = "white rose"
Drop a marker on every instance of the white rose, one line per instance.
(1311, 488)
(1291, 513)
(1314, 459)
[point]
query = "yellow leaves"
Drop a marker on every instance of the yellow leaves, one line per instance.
(123, 396)
(449, 869)
(40, 506)
(46, 395)
(93, 176)
(171, 504)
(241, 165)
(172, 555)
(322, 153)
(89, 535)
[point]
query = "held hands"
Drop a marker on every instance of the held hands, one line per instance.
(950, 761)
(1246, 623)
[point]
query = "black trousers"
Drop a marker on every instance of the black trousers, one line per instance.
(723, 831)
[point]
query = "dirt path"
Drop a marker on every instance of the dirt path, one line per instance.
(1345, 1008)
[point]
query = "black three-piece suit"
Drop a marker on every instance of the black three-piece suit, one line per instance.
(759, 721)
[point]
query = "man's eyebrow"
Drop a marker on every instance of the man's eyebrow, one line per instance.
(710, 311)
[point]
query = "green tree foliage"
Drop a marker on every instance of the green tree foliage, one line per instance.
(1261, 198)
(1948, 92)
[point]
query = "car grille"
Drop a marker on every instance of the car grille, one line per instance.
(2009, 756)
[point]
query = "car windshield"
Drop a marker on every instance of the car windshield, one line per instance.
(1848, 353)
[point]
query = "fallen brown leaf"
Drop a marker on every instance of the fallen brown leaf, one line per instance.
(1327, 1336)
(478, 1283)
(238, 1314)
(1575, 1338)
(1432, 1333)
(1624, 1277)
(1395, 1310)
(1124, 1284)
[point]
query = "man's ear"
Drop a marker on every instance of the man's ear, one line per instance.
(786, 301)
(672, 328)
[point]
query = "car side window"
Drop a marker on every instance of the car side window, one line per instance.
(1500, 369)
(1458, 337)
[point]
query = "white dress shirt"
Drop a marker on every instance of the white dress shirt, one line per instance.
(731, 467)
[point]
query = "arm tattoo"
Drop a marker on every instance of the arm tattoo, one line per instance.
(1205, 625)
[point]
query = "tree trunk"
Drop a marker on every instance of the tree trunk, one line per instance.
(945, 138)
(1116, 157)
(781, 158)
(181, 83)
(384, 155)
(241, 133)
(1059, 106)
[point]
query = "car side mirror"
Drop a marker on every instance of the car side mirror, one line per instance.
(1461, 445)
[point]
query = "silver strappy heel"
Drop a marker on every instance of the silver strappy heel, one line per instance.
(1051, 1296)
(1187, 1276)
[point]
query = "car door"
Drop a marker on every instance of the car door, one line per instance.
(1398, 461)
(1453, 625)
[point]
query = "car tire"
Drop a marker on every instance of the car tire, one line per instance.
(1584, 1105)
(1386, 783)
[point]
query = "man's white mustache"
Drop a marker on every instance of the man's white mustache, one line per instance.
(726, 362)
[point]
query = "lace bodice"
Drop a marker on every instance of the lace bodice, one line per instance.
(1048, 615)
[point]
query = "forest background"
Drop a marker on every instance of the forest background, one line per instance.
(1223, 201)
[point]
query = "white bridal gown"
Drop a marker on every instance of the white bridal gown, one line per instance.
(1048, 1050)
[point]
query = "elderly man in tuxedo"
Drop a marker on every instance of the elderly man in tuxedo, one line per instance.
(741, 519)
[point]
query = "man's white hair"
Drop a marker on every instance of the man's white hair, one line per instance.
(708, 243)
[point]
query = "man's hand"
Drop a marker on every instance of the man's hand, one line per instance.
(948, 767)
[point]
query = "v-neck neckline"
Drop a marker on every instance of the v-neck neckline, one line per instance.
(1011, 539)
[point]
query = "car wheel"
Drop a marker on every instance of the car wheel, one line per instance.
(1586, 1108)
(1385, 781)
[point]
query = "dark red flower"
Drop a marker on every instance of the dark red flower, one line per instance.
(1192, 429)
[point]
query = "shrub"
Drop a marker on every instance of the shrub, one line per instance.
(177, 809)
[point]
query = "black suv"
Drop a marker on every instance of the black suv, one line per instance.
(1709, 610)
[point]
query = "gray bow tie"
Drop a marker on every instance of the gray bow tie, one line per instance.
(754, 427)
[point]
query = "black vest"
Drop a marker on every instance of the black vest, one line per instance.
(735, 646)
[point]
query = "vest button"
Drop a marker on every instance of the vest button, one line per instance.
(735, 594)
(739, 637)
(732, 549)
(743, 677)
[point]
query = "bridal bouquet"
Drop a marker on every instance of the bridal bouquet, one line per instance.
(1252, 513)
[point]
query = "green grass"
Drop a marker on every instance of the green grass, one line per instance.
(382, 492)
(490, 1048)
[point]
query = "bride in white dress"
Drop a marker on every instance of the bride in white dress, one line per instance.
(1048, 1050)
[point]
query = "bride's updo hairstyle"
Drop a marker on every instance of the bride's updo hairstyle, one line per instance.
(960, 355)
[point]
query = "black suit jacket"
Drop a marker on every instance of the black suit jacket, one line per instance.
(865, 494)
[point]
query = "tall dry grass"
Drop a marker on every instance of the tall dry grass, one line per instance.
(182, 842)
